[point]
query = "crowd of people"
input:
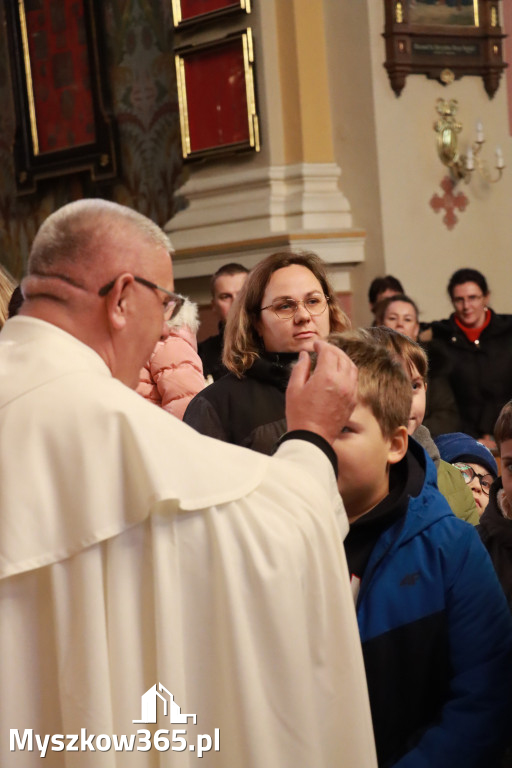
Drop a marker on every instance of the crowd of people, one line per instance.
(301, 530)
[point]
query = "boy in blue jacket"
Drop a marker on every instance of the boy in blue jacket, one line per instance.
(435, 627)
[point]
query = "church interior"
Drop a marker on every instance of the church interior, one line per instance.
(243, 128)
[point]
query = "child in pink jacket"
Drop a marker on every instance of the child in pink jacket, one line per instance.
(174, 372)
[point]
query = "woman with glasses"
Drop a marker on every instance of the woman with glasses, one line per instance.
(479, 344)
(474, 461)
(285, 305)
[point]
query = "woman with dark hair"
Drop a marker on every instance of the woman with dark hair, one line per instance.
(479, 344)
(381, 288)
(285, 305)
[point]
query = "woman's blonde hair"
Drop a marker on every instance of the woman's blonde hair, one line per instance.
(7, 286)
(242, 343)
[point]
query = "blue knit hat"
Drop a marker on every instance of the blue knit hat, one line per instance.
(457, 446)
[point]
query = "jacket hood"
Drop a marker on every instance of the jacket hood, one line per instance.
(425, 509)
(424, 438)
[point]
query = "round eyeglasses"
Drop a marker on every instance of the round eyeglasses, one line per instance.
(286, 308)
(469, 474)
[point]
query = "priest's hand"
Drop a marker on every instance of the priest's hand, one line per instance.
(322, 401)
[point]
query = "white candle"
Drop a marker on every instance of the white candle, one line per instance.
(470, 161)
(479, 132)
(500, 161)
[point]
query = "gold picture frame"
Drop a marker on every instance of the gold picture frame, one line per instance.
(63, 123)
(217, 97)
(187, 13)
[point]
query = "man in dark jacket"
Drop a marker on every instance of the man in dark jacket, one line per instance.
(225, 286)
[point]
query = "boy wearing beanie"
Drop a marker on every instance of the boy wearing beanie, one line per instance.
(475, 462)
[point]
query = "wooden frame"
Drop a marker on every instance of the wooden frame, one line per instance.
(216, 96)
(444, 41)
(190, 12)
(62, 125)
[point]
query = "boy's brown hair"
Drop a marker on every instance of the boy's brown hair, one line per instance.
(402, 348)
(383, 385)
(503, 426)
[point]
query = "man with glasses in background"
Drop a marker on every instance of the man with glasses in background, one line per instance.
(136, 553)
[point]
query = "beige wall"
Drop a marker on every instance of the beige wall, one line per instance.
(355, 135)
(324, 96)
(386, 148)
(242, 208)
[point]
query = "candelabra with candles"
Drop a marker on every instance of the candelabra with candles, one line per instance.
(463, 166)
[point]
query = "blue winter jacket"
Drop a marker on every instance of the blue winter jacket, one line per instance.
(437, 639)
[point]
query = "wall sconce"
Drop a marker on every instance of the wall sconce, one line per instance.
(462, 166)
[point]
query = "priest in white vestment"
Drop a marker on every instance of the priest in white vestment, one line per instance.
(165, 599)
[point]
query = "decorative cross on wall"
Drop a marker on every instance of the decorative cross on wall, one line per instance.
(449, 202)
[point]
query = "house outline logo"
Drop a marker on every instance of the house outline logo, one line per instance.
(149, 707)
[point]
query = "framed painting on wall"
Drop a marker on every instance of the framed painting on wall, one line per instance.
(443, 39)
(62, 123)
(188, 12)
(217, 98)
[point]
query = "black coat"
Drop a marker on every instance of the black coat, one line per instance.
(249, 411)
(210, 352)
(496, 533)
(441, 414)
(480, 372)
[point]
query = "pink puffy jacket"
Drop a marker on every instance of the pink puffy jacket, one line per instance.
(174, 372)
